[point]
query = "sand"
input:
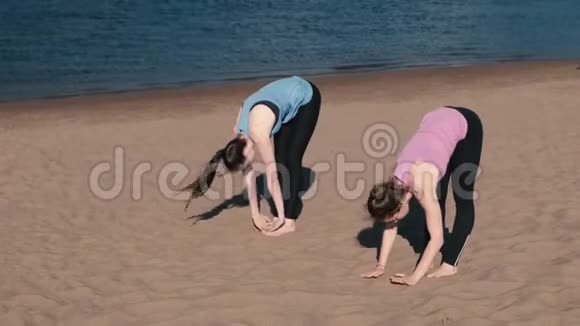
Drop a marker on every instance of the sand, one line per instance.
(68, 257)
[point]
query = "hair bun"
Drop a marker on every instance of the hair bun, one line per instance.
(384, 199)
(379, 192)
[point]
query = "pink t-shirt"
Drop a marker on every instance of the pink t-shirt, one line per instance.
(434, 142)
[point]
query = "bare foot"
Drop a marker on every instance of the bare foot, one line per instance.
(289, 226)
(443, 270)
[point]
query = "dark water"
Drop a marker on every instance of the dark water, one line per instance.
(57, 47)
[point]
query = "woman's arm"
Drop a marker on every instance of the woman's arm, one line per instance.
(261, 222)
(261, 123)
(389, 236)
(250, 180)
(266, 149)
(426, 177)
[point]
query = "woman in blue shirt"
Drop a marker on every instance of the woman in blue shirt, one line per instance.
(278, 121)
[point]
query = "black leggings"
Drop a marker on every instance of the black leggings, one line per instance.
(462, 170)
(290, 145)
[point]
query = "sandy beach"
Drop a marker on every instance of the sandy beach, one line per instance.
(74, 253)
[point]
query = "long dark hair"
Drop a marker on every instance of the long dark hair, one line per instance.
(233, 158)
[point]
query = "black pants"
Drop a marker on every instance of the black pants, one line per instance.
(290, 145)
(462, 170)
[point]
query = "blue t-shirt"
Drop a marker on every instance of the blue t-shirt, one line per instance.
(287, 95)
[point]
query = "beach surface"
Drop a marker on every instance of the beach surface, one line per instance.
(120, 251)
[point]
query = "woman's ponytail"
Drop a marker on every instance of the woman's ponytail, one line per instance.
(200, 186)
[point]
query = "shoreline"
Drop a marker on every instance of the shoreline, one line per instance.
(338, 71)
(191, 101)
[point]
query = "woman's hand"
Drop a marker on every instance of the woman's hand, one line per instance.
(378, 272)
(403, 279)
(261, 222)
(276, 224)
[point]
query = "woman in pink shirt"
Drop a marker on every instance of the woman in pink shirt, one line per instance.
(447, 146)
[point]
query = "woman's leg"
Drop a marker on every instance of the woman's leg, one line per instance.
(282, 142)
(465, 167)
(442, 188)
(303, 126)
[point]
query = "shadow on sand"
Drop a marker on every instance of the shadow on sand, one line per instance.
(412, 228)
(241, 199)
